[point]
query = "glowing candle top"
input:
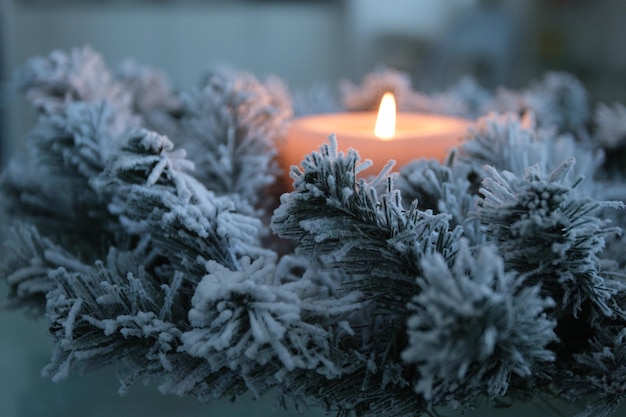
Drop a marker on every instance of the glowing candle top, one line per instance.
(410, 136)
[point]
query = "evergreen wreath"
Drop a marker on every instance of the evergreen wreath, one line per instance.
(148, 227)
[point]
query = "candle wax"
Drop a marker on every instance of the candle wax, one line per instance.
(417, 136)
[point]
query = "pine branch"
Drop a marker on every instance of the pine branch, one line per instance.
(512, 143)
(231, 128)
(250, 321)
(189, 225)
(598, 375)
(441, 189)
(552, 236)
(29, 261)
(367, 96)
(610, 125)
(149, 88)
(474, 327)
(559, 100)
(505, 142)
(53, 82)
(341, 223)
(113, 313)
(50, 186)
(317, 99)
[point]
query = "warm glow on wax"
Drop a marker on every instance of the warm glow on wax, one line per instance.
(413, 136)
(386, 121)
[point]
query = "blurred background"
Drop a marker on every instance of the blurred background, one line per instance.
(499, 42)
(505, 42)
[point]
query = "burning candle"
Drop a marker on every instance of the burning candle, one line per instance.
(377, 136)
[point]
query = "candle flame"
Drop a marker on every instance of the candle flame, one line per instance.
(386, 120)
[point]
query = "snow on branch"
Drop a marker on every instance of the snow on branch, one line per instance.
(231, 128)
(52, 82)
(28, 262)
(547, 232)
(113, 313)
(50, 185)
(599, 374)
(340, 222)
(152, 193)
(474, 327)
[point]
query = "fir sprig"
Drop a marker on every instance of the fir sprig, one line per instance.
(441, 189)
(113, 313)
(28, 264)
(474, 327)
(599, 374)
(545, 231)
(150, 190)
(231, 128)
(339, 221)
(69, 149)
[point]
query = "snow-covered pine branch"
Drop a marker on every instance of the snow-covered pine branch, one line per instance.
(339, 221)
(80, 75)
(441, 189)
(598, 375)
(552, 236)
(151, 190)
(113, 313)
(231, 128)
(29, 260)
(475, 328)
(49, 186)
